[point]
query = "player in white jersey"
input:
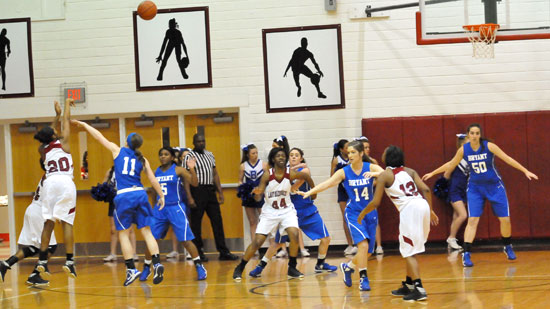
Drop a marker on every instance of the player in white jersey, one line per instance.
(415, 214)
(277, 211)
(29, 238)
(59, 189)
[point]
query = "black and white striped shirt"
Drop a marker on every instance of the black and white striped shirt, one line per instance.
(204, 167)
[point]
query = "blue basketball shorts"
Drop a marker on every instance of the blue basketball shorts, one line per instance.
(312, 225)
(365, 230)
(132, 208)
(495, 193)
(171, 215)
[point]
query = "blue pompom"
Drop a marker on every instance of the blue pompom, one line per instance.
(104, 192)
(441, 188)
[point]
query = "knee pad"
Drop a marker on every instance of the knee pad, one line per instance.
(30, 251)
(52, 248)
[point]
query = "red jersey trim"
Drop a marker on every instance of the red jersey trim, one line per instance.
(52, 146)
(72, 210)
(273, 177)
(397, 170)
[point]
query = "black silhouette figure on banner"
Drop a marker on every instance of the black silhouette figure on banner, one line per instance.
(4, 44)
(297, 62)
(174, 39)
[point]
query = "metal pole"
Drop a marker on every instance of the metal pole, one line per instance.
(370, 10)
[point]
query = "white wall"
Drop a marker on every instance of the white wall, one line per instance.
(386, 73)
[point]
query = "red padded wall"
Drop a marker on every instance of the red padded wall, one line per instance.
(538, 145)
(382, 132)
(423, 155)
(508, 131)
(430, 141)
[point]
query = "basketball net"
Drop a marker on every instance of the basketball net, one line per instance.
(483, 39)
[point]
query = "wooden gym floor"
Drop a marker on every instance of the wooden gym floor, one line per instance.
(492, 283)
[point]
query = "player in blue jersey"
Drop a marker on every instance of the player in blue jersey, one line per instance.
(250, 172)
(458, 183)
(309, 221)
(359, 190)
(484, 184)
(339, 160)
(131, 202)
(170, 176)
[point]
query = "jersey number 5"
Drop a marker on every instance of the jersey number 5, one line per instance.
(364, 194)
(164, 188)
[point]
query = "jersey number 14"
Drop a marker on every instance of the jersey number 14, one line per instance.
(364, 194)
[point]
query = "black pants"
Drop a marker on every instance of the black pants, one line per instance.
(206, 201)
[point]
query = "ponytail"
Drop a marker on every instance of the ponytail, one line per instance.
(246, 149)
(135, 141)
(337, 146)
(282, 141)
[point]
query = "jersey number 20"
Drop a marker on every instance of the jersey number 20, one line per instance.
(60, 165)
(364, 194)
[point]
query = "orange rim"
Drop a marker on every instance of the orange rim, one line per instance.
(475, 28)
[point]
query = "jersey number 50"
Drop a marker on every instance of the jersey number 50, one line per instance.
(364, 194)
(479, 167)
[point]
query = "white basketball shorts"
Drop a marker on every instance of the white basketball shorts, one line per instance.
(414, 227)
(282, 219)
(33, 224)
(59, 200)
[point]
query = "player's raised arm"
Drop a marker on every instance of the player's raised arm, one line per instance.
(334, 180)
(58, 111)
(98, 136)
(190, 176)
(301, 177)
(154, 183)
(383, 179)
(447, 166)
(426, 192)
(260, 189)
(510, 161)
(66, 125)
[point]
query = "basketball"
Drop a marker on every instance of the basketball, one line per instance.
(147, 10)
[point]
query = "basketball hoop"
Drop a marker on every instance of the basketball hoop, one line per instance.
(483, 39)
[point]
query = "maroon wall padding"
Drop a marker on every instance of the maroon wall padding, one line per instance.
(508, 131)
(419, 133)
(430, 141)
(538, 145)
(382, 132)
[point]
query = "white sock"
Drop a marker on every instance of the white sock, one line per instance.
(351, 265)
(265, 259)
(321, 256)
(198, 258)
(147, 262)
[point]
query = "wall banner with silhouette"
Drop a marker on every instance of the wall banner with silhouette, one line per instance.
(303, 68)
(16, 73)
(172, 50)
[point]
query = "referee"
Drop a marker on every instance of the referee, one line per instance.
(203, 199)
